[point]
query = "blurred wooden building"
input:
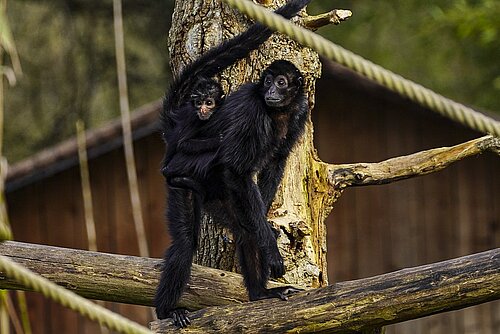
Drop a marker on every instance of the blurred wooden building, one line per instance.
(371, 230)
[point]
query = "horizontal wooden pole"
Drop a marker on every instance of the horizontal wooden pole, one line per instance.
(342, 307)
(119, 278)
(357, 306)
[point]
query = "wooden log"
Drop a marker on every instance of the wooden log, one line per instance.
(119, 278)
(344, 307)
(358, 306)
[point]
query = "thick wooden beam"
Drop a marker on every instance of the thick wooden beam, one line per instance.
(118, 278)
(358, 306)
(343, 307)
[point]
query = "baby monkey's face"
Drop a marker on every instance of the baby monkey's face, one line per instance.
(206, 98)
(205, 106)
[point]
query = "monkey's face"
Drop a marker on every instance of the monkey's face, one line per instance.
(206, 97)
(280, 83)
(205, 106)
(277, 90)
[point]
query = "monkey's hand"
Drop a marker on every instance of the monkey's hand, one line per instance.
(180, 317)
(276, 264)
(274, 259)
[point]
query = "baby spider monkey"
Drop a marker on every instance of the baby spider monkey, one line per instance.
(190, 156)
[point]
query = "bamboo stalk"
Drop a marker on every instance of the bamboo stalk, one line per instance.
(127, 130)
(86, 190)
(87, 196)
(10, 310)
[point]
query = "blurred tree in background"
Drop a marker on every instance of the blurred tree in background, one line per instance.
(67, 53)
(450, 46)
(68, 56)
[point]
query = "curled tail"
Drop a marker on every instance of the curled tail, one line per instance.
(225, 54)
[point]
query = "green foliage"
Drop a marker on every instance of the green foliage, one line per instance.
(451, 47)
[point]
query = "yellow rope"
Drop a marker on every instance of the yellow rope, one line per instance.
(394, 82)
(69, 299)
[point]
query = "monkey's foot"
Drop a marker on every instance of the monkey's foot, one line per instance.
(282, 292)
(180, 317)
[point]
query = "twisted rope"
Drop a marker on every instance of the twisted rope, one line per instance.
(68, 299)
(394, 82)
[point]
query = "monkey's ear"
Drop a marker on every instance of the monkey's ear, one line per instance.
(300, 80)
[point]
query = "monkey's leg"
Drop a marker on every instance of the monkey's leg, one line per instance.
(251, 266)
(176, 269)
(185, 182)
(250, 212)
(254, 268)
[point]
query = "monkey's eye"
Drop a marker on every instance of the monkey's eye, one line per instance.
(281, 81)
(268, 81)
(197, 103)
(209, 102)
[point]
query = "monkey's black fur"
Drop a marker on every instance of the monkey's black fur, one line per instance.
(196, 79)
(261, 123)
(189, 155)
(257, 138)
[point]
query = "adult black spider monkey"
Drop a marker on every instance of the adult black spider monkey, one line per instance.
(196, 85)
(260, 122)
(248, 221)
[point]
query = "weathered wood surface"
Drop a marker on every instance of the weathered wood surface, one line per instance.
(404, 167)
(118, 278)
(314, 22)
(362, 304)
(343, 307)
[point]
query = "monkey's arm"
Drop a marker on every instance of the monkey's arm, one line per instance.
(227, 53)
(271, 175)
(270, 178)
(219, 58)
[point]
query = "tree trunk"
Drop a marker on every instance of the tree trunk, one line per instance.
(197, 26)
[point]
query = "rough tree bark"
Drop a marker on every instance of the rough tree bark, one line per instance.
(197, 26)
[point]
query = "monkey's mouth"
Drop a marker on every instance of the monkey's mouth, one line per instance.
(204, 113)
(272, 102)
